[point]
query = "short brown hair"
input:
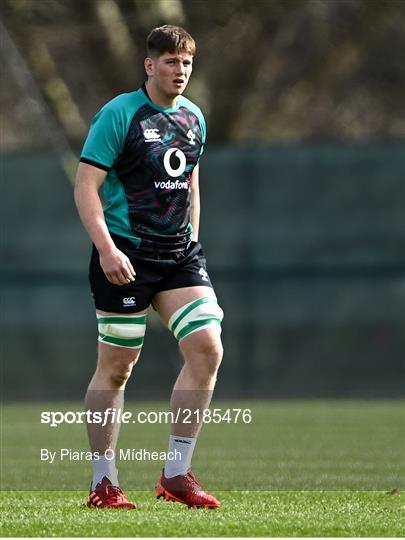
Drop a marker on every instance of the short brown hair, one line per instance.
(169, 39)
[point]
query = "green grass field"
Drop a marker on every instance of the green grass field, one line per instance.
(242, 514)
(300, 468)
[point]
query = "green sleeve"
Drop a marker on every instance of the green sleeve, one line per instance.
(106, 137)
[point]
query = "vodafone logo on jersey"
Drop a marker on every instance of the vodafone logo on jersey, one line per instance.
(175, 163)
(181, 162)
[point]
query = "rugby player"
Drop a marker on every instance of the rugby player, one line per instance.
(143, 148)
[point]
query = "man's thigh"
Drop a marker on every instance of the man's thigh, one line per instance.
(120, 336)
(168, 302)
(191, 313)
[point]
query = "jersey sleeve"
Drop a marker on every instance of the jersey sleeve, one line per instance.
(203, 132)
(105, 139)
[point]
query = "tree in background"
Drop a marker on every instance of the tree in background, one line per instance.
(269, 70)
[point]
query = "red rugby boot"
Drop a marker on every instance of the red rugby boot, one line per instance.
(108, 496)
(185, 489)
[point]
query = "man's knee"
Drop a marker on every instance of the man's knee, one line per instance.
(116, 363)
(119, 374)
(203, 349)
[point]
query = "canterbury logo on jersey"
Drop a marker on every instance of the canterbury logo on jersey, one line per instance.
(152, 135)
(169, 184)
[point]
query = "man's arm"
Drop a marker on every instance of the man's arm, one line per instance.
(115, 264)
(195, 202)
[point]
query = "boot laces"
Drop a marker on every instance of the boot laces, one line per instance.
(114, 495)
(194, 483)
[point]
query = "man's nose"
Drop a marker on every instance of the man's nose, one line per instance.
(181, 68)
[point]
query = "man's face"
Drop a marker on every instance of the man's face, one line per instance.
(170, 72)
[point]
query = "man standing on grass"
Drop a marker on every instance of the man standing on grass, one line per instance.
(144, 148)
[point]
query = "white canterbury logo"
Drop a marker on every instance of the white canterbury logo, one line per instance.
(171, 185)
(129, 301)
(151, 135)
(182, 166)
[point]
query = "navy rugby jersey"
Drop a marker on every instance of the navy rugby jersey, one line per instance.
(149, 153)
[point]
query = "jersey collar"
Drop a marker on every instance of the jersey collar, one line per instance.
(168, 110)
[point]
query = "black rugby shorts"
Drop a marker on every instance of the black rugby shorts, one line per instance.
(163, 272)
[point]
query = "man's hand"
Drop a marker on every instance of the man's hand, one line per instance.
(117, 267)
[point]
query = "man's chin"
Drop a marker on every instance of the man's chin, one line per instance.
(177, 93)
(173, 94)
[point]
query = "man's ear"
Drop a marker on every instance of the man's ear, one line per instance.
(148, 63)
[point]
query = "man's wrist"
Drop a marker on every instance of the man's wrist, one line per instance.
(105, 247)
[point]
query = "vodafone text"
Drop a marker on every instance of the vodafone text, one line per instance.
(169, 184)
